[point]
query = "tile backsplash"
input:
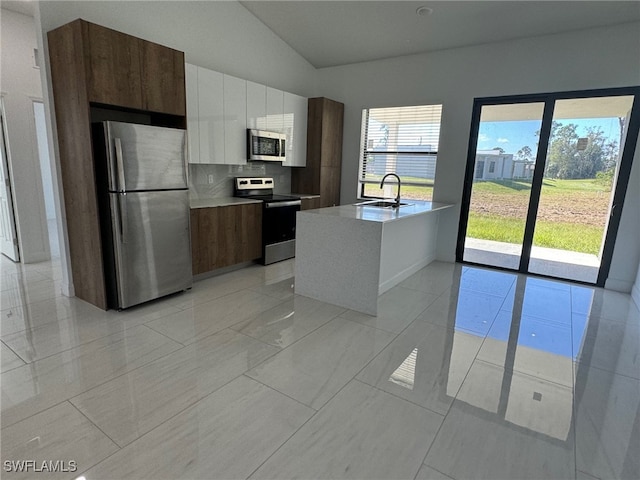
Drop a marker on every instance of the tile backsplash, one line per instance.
(223, 175)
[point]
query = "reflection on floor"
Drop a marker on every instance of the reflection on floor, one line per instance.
(465, 373)
(552, 262)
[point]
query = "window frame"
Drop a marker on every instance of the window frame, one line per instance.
(363, 182)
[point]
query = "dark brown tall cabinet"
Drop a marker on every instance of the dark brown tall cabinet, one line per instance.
(100, 74)
(324, 152)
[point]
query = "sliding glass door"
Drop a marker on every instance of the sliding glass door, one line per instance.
(546, 178)
(504, 161)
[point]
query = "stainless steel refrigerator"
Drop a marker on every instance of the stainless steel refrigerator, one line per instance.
(144, 208)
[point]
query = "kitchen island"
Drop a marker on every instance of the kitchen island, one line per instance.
(349, 255)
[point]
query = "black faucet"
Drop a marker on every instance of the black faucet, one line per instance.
(397, 205)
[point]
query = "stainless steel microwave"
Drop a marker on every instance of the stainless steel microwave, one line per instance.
(265, 146)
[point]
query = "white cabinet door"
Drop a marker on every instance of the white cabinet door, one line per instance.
(235, 120)
(275, 110)
(256, 106)
(193, 117)
(295, 127)
(211, 116)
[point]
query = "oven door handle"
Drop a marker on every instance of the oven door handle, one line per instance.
(291, 203)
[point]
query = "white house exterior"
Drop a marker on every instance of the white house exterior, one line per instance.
(494, 165)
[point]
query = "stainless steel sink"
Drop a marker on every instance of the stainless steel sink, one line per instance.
(381, 204)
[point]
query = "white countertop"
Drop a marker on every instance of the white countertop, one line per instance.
(381, 215)
(207, 202)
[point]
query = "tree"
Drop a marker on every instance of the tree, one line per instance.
(564, 160)
(499, 149)
(524, 154)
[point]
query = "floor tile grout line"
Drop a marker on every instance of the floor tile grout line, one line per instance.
(5, 426)
(189, 406)
(196, 338)
(16, 354)
(91, 341)
(609, 371)
(235, 292)
(75, 407)
(165, 335)
(304, 336)
(398, 397)
(315, 413)
(108, 379)
(246, 374)
(388, 331)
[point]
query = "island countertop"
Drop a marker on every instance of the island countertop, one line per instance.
(382, 215)
(351, 254)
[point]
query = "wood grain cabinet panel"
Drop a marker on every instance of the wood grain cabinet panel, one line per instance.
(225, 236)
(310, 203)
(114, 72)
(162, 79)
(321, 175)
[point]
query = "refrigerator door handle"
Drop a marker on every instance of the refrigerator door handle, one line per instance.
(124, 221)
(120, 164)
(185, 154)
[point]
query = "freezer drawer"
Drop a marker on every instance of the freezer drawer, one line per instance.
(151, 245)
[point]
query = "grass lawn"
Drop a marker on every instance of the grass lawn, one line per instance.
(563, 236)
(571, 216)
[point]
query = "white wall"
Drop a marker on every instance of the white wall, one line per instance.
(220, 35)
(588, 59)
(20, 84)
(626, 255)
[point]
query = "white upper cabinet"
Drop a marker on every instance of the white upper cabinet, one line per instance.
(295, 127)
(193, 117)
(275, 110)
(211, 113)
(235, 120)
(205, 126)
(256, 106)
(220, 108)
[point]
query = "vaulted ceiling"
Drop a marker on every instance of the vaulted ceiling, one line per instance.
(329, 33)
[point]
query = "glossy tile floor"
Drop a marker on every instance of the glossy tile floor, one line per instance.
(465, 373)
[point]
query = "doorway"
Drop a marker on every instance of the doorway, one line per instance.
(8, 232)
(47, 177)
(546, 178)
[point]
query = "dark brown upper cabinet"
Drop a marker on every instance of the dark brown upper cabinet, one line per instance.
(114, 68)
(126, 71)
(324, 152)
(162, 79)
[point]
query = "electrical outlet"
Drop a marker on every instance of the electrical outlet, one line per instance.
(210, 178)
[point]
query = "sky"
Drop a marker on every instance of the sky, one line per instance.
(512, 136)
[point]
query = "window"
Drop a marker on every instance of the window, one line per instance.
(492, 167)
(401, 140)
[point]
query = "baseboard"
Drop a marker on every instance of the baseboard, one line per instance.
(622, 286)
(404, 274)
(635, 294)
